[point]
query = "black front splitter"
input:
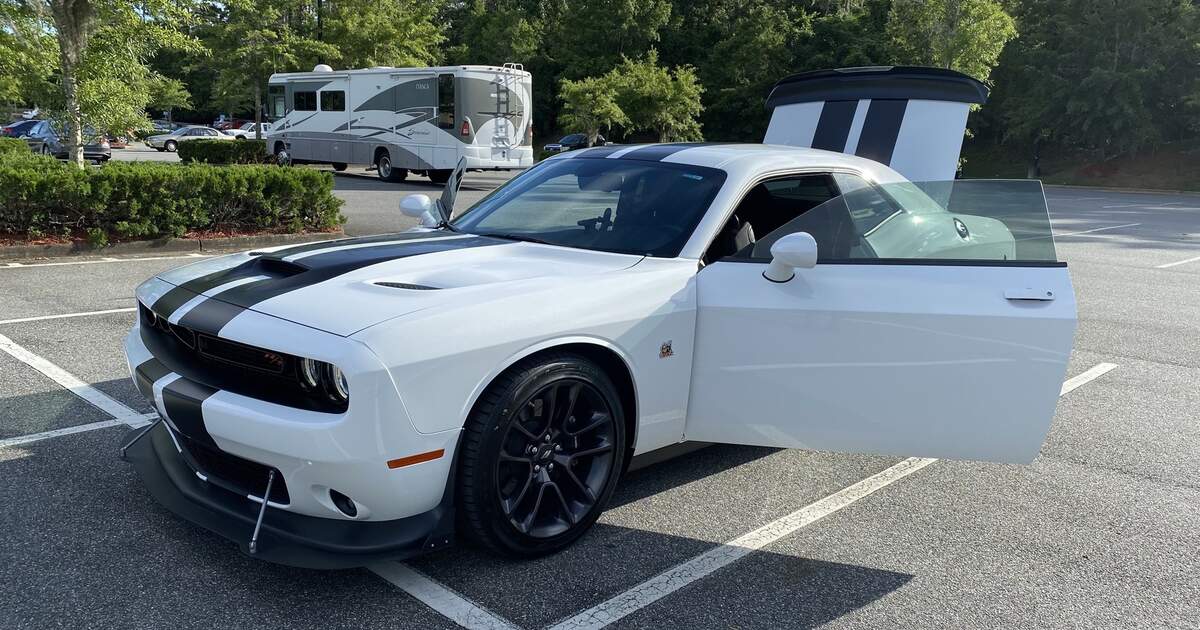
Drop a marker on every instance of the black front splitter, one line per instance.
(286, 537)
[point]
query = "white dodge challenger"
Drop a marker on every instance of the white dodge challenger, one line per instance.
(334, 403)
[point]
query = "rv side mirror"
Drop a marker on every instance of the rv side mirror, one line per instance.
(792, 251)
(420, 207)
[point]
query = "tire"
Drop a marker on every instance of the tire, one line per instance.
(46, 150)
(526, 503)
(159, 149)
(440, 176)
(339, 166)
(171, 146)
(282, 157)
(387, 172)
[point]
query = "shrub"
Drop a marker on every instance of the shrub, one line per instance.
(224, 151)
(9, 146)
(149, 200)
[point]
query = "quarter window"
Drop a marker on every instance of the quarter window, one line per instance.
(304, 101)
(276, 103)
(333, 101)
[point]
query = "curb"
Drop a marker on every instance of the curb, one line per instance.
(163, 245)
(1144, 191)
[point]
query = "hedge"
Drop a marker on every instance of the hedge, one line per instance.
(10, 146)
(40, 196)
(225, 151)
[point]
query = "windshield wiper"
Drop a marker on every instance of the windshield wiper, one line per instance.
(518, 237)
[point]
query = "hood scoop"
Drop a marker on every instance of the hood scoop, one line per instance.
(407, 286)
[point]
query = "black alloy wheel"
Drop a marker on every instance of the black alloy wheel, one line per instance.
(541, 456)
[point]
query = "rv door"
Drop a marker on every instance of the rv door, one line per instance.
(450, 192)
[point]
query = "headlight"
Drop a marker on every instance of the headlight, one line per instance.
(338, 385)
(319, 375)
(310, 373)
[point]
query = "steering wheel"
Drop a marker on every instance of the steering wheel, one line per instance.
(597, 224)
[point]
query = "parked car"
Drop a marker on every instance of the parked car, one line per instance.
(18, 129)
(573, 142)
(170, 141)
(45, 139)
(246, 131)
(165, 126)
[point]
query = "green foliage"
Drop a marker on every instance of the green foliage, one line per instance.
(1110, 76)
(590, 105)
(657, 99)
(225, 151)
(494, 31)
(132, 200)
(13, 146)
(590, 37)
(369, 33)
(963, 35)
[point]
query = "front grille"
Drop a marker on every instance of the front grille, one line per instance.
(231, 366)
(234, 473)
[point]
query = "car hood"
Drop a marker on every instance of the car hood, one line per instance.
(347, 285)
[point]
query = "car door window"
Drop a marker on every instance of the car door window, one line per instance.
(767, 211)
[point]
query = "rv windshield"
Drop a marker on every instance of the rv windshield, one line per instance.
(624, 206)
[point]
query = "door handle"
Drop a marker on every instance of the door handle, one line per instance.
(1037, 295)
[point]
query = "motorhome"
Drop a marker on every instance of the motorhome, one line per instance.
(404, 120)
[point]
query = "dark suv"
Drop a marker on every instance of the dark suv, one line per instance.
(572, 142)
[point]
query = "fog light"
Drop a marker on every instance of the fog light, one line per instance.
(343, 503)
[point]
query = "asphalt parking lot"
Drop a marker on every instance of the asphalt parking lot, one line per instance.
(1102, 530)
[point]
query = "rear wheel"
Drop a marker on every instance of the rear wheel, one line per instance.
(46, 149)
(339, 166)
(541, 455)
(387, 172)
(440, 176)
(171, 146)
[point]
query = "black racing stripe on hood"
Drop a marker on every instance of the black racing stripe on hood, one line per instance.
(211, 315)
(170, 301)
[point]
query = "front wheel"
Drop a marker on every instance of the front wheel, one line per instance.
(282, 157)
(339, 166)
(387, 172)
(542, 452)
(171, 146)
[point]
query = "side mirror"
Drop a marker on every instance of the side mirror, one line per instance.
(420, 207)
(792, 251)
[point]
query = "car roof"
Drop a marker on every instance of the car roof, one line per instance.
(738, 158)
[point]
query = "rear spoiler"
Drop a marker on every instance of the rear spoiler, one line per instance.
(910, 118)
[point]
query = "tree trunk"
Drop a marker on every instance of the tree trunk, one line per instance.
(72, 23)
(257, 110)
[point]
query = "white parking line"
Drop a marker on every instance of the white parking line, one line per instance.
(1177, 263)
(96, 261)
(441, 598)
(83, 428)
(1099, 229)
(66, 315)
(681, 575)
(95, 397)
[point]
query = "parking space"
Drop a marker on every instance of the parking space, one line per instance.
(1101, 530)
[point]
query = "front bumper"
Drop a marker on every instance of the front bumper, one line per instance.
(285, 537)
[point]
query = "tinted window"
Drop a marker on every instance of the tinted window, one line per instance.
(333, 101)
(634, 207)
(574, 138)
(304, 101)
(445, 107)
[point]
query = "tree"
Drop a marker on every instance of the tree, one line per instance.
(590, 105)
(589, 37)
(963, 35)
(495, 31)
(102, 49)
(258, 39)
(1110, 76)
(167, 95)
(656, 99)
(367, 33)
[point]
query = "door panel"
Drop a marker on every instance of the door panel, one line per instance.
(892, 359)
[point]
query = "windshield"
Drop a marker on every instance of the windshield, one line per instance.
(613, 205)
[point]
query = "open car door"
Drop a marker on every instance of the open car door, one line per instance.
(921, 330)
(450, 192)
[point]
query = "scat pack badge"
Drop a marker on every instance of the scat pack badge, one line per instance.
(665, 350)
